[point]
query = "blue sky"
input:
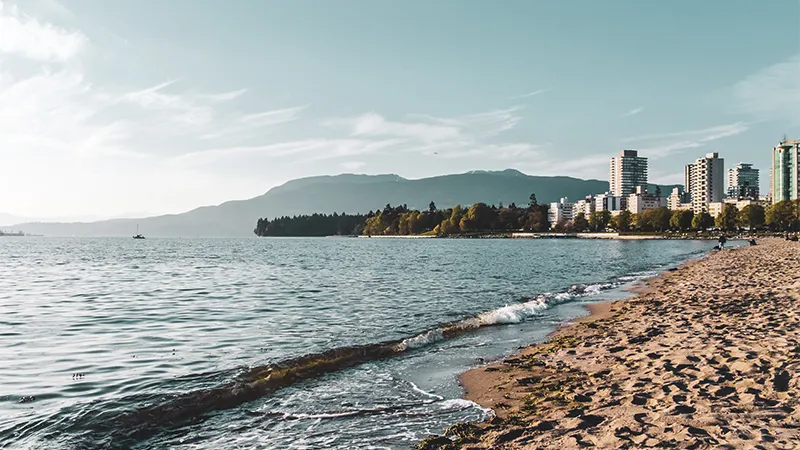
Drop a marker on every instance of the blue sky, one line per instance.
(143, 107)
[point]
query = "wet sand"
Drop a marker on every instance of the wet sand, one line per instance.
(706, 356)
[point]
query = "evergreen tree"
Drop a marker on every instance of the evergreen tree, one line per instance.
(533, 203)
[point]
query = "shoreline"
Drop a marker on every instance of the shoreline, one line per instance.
(703, 355)
(568, 236)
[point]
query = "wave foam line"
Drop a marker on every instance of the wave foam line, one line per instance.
(258, 382)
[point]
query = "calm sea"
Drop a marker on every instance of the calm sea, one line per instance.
(216, 343)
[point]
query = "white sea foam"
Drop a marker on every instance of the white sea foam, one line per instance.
(425, 393)
(421, 340)
(460, 403)
(512, 313)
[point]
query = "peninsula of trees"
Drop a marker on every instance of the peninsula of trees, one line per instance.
(533, 217)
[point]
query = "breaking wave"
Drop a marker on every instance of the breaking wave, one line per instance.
(256, 382)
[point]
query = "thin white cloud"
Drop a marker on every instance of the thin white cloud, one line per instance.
(473, 127)
(772, 93)
(529, 94)
(661, 146)
(719, 130)
(275, 117)
(375, 125)
(224, 96)
(183, 108)
(427, 128)
(595, 166)
(256, 122)
(633, 112)
(667, 178)
(509, 151)
(301, 151)
(353, 165)
(26, 37)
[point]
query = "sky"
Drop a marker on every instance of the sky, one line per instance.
(144, 107)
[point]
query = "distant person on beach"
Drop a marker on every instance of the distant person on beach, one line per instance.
(752, 242)
(722, 241)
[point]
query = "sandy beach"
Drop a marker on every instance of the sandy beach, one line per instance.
(705, 356)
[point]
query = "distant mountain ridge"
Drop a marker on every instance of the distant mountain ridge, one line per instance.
(338, 193)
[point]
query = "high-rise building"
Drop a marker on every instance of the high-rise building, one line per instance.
(628, 171)
(707, 181)
(784, 180)
(743, 182)
(688, 174)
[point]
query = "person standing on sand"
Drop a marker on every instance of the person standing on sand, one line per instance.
(722, 241)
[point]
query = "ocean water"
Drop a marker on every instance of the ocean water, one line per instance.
(278, 343)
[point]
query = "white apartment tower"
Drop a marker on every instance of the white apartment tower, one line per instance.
(705, 179)
(628, 171)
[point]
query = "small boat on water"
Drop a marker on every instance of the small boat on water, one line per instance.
(138, 235)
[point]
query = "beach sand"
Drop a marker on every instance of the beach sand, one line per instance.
(706, 356)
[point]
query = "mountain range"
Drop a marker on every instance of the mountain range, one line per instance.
(340, 193)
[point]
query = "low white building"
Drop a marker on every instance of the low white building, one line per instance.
(679, 200)
(641, 200)
(559, 211)
(608, 202)
(740, 204)
(585, 206)
(715, 208)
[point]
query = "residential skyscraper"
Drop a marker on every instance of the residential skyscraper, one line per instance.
(707, 181)
(688, 174)
(743, 182)
(784, 180)
(628, 171)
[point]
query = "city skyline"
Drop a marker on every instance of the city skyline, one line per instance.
(147, 107)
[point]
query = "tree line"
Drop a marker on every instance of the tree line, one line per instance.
(480, 217)
(311, 225)
(663, 219)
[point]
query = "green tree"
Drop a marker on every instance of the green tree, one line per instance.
(702, 221)
(656, 219)
(579, 222)
(536, 218)
(532, 204)
(752, 217)
(478, 217)
(782, 216)
(623, 221)
(726, 220)
(452, 225)
(681, 220)
(599, 220)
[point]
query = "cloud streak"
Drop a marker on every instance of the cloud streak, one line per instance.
(657, 146)
(772, 93)
(529, 94)
(633, 112)
(24, 36)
